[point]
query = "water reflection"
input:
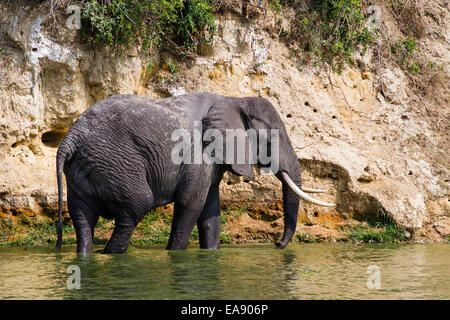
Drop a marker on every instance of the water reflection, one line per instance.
(195, 274)
(233, 272)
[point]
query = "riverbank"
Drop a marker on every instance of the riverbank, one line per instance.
(239, 225)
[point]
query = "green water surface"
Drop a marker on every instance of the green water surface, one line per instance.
(309, 271)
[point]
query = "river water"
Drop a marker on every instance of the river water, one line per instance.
(309, 271)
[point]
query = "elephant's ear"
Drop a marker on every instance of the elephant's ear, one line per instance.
(226, 115)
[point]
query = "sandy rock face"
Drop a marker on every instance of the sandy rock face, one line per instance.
(392, 84)
(355, 133)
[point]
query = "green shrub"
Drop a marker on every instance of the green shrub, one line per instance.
(155, 236)
(173, 67)
(381, 229)
(406, 52)
(276, 5)
(306, 238)
(41, 234)
(119, 23)
(225, 238)
(331, 29)
(382, 233)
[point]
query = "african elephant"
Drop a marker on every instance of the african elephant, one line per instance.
(118, 162)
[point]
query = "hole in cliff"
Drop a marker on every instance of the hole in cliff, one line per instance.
(15, 144)
(314, 110)
(333, 117)
(229, 183)
(34, 49)
(289, 115)
(316, 214)
(306, 103)
(410, 173)
(52, 139)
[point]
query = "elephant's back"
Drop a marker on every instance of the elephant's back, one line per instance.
(120, 141)
(125, 110)
(122, 117)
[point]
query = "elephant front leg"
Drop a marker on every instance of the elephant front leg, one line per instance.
(209, 221)
(184, 218)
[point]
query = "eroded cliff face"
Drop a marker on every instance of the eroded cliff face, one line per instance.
(364, 134)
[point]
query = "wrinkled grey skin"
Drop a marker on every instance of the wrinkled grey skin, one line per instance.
(117, 163)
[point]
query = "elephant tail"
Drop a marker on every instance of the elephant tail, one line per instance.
(64, 152)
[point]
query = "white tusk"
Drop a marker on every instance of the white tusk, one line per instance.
(303, 195)
(309, 190)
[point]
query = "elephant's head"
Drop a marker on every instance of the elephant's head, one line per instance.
(257, 114)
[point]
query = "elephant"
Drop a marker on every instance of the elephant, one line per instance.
(118, 162)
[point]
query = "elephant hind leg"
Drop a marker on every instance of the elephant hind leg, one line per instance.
(127, 215)
(120, 239)
(84, 218)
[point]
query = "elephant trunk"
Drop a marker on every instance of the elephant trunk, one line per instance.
(292, 193)
(290, 201)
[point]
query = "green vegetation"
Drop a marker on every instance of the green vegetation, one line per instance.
(119, 23)
(150, 67)
(153, 229)
(384, 230)
(406, 50)
(173, 67)
(327, 29)
(41, 234)
(382, 234)
(306, 238)
(276, 5)
(232, 212)
(330, 29)
(224, 238)
(406, 53)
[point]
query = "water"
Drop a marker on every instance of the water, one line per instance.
(419, 271)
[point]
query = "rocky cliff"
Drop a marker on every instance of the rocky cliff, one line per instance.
(366, 133)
